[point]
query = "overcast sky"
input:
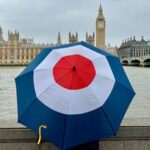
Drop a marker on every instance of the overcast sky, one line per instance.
(43, 19)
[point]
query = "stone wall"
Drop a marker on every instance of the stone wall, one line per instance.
(128, 138)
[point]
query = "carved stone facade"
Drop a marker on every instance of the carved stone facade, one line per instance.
(16, 51)
(132, 48)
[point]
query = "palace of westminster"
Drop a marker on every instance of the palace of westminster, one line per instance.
(18, 51)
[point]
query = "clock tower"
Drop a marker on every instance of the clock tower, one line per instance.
(100, 30)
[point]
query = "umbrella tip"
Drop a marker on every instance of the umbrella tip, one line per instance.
(74, 68)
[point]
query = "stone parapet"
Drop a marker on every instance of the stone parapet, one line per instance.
(128, 138)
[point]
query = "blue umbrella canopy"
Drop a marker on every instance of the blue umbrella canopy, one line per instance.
(78, 91)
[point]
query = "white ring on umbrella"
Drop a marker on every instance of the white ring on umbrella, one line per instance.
(68, 101)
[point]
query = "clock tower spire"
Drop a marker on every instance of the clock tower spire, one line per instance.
(100, 30)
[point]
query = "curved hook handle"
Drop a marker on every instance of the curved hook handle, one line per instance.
(42, 126)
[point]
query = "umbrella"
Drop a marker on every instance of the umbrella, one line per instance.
(77, 92)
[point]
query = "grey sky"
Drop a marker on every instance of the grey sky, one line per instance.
(43, 19)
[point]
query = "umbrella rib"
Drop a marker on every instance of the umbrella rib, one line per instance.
(100, 57)
(63, 76)
(63, 56)
(26, 73)
(73, 73)
(84, 67)
(26, 109)
(72, 80)
(65, 125)
(45, 89)
(114, 80)
(105, 77)
(108, 121)
(124, 86)
(106, 116)
(50, 68)
(62, 68)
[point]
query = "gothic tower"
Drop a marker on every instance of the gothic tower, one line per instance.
(13, 38)
(73, 38)
(100, 30)
(59, 39)
(1, 34)
(90, 39)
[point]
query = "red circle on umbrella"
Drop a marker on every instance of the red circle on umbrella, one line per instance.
(74, 72)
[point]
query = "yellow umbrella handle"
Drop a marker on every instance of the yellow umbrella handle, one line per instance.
(42, 126)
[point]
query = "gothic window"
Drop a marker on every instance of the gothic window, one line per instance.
(11, 57)
(0, 54)
(146, 51)
(27, 51)
(140, 52)
(12, 52)
(22, 51)
(27, 55)
(32, 51)
(131, 53)
(136, 52)
(36, 52)
(5, 52)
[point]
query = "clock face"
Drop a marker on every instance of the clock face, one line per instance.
(101, 24)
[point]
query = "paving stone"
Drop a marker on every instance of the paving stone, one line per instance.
(137, 145)
(12, 146)
(111, 145)
(3, 146)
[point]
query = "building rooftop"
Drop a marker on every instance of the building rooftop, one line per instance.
(133, 42)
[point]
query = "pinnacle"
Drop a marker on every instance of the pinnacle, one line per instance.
(100, 9)
(59, 36)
